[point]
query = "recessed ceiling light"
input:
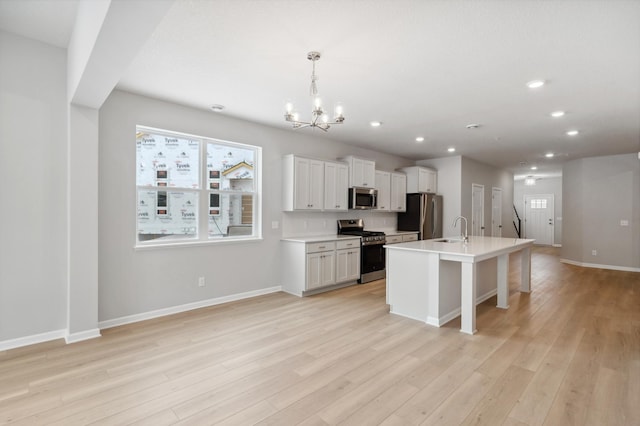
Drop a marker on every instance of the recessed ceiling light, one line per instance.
(451, 149)
(376, 123)
(549, 154)
(419, 139)
(556, 114)
(534, 84)
(572, 132)
(217, 107)
(534, 168)
(472, 126)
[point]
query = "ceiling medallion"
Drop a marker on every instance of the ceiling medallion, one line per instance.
(319, 117)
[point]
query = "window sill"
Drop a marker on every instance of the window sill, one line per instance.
(213, 242)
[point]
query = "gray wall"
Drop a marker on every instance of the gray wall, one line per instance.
(456, 174)
(33, 164)
(482, 174)
(138, 281)
(552, 185)
(449, 184)
(599, 192)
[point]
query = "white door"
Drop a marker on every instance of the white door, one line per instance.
(496, 212)
(477, 209)
(538, 218)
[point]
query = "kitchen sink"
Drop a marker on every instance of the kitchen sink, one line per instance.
(448, 240)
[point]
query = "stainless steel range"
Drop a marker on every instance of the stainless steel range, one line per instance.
(372, 253)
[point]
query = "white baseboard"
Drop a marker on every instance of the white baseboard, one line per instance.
(90, 334)
(596, 265)
(83, 335)
(557, 245)
(32, 340)
(186, 307)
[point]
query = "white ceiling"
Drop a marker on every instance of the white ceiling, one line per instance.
(423, 68)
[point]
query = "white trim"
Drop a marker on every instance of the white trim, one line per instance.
(596, 265)
(83, 335)
(186, 307)
(32, 340)
(438, 322)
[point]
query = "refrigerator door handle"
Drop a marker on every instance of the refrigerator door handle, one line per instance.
(434, 215)
(423, 216)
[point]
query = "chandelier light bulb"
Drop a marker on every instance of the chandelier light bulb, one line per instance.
(288, 107)
(317, 102)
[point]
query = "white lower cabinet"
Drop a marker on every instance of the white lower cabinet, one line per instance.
(347, 261)
(321, 268)
(310, 267)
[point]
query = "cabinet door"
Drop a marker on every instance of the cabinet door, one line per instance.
(383, 185)
(353, 265)
(347, 265)
(316, 184)
(357, 172)
(427, 180)
(314, 270)
(336, 190)
(342, 265)
(309, 184)
(368, 173)
(398, 192)
(328, 266)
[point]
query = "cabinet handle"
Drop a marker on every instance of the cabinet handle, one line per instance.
(321, 247)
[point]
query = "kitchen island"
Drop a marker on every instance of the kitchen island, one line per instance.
(436, 280)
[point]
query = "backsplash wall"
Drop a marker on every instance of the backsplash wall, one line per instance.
(297, 224)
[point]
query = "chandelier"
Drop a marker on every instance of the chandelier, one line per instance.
(319, 117)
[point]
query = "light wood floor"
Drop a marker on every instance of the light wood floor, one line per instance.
(566, 354)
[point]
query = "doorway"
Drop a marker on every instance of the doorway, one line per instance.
(477, 209)
(496, 212)
(538, 218)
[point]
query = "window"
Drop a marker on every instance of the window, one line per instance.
(538, 204)
(194, 188)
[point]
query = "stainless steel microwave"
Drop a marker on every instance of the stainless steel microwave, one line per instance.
(363, 198)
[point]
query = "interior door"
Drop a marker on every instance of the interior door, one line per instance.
(496, 212)
(538, 218)
(477, 209)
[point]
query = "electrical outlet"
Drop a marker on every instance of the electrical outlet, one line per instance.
(201, 282)
(594, 252)
(624, 222)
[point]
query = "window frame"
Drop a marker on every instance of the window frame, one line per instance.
(203, 192)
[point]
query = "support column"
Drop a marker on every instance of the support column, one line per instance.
(503, 281)
(468, 298)
(525, 270)
(82, 248)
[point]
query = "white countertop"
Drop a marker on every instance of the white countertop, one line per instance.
(320, 238)
(477, 249)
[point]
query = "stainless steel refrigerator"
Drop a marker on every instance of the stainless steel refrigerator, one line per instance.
(424, 215)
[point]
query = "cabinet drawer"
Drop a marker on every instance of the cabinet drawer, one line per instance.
(323, 246)
(393, 239)
(410, 237)
(347, 244)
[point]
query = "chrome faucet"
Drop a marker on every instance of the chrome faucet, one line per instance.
(465, 235)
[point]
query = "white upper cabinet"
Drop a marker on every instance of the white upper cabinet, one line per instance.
(362, 173)
(392, 191)
(336, 186)
(421, 179)
(398, 197)
(303, 183)
(383, 185)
